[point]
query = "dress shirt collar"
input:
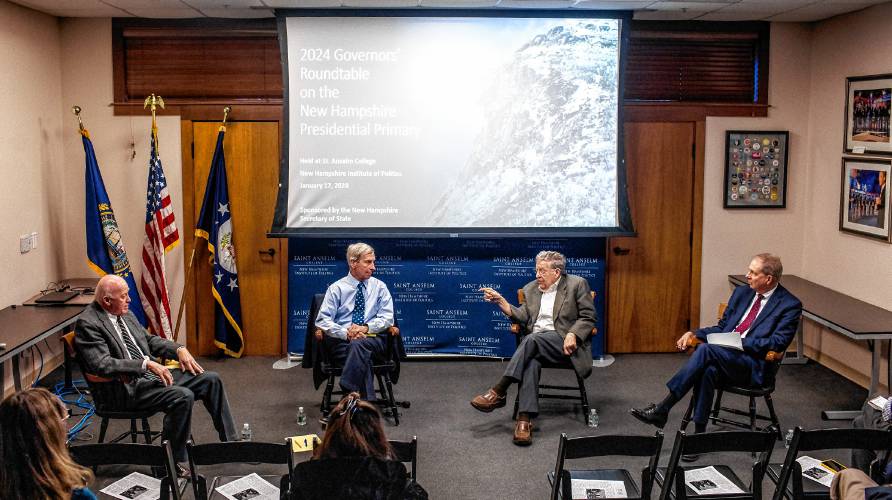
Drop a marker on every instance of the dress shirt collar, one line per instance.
(355, 282)
(768, 293)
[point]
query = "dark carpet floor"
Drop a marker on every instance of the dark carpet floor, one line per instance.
(467, 454)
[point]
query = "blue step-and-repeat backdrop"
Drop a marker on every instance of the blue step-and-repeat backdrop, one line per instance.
(434, 285)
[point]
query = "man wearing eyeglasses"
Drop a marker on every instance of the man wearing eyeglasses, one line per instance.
(559, 315)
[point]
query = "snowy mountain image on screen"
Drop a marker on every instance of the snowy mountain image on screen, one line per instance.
(546, 155)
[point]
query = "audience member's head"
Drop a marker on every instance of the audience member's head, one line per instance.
(354, 430)
(112, 294)
(36, 463)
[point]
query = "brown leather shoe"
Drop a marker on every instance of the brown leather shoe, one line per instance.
(488, 401)
(523, 433)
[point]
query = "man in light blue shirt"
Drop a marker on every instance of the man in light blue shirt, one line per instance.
(355, 310)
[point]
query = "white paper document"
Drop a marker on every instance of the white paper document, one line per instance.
(585, 489)
(812, 469)
(135, 486)
(709, 481)
(726, 339)
(878, 403)
(251, 486)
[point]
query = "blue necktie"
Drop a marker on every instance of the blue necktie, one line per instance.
(359, 305)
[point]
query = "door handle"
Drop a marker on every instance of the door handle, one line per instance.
(271, 252)
(621, 251)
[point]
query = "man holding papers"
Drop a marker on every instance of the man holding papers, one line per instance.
(765, 316)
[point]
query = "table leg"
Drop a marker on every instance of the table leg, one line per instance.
(799, 358)
(874, 383)
(16, 374)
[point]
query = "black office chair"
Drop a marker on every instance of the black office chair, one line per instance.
(385, 370)
(407, 453)
(672, 478)
(108, 395)
(599, 446)
(788, 476)
(250, 452)
(519, 332)
(159, 457)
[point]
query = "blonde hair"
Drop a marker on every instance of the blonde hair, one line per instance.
(357, 250)
(32, 447)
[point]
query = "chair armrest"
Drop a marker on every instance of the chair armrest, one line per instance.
(771, 356)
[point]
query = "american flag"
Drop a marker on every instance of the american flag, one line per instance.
(161, 237)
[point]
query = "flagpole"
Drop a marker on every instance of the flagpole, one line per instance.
(189, 268)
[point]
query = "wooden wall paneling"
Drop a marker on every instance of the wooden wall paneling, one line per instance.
(252, 164)
(697, 221)
(649, 275)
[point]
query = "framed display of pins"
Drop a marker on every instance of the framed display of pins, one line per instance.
(756, 168)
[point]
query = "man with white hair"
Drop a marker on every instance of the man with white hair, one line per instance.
(355, 310)
(559, 314)
(113, 344)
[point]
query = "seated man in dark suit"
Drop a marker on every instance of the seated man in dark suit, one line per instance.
(765, 314)
(559, 313)
(113, 344)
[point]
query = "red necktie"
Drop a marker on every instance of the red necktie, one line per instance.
(748, 320)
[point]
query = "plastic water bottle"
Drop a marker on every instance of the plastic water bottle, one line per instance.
(788, 438)
(247, 433)
(301, 416)
(593, 419)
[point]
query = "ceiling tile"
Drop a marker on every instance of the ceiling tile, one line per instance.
(537, 4)
(239, 13)
(458, 4)
(386, 4)
(302, 4)
(223, 4)
(666, 15)
(181, 13)
(682, 6)
(818, 12)
(614, 5)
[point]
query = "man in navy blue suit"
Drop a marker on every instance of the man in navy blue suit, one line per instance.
(765, 314)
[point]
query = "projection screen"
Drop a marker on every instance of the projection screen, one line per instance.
(452, 123)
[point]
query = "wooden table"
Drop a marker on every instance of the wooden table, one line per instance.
(24, 326)
(843, 314)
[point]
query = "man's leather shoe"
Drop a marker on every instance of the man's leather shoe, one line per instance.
(488, 401)
(650, 415)
(523, 433)
(690, 457)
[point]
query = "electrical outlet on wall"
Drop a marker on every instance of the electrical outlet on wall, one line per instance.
(25, 243)
(33, 240)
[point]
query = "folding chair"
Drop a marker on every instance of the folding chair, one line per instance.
(407, 452)
(519, 332)
(788, 476)
(238, 452)
(672, 478)
(150, 455)
(598, 446)
(108, 395)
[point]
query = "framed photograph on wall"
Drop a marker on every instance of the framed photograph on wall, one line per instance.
(756, 168)
(865, 198)
(867, 115)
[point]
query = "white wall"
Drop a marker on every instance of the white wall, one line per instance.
(31, 158)
(732, 237)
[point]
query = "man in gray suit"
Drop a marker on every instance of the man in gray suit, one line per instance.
(113, 344)
(559, 315)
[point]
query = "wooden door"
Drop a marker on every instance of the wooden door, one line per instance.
(650, 275)
(252, 172)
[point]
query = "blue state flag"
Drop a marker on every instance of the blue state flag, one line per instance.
(215, 225)
(105, 247)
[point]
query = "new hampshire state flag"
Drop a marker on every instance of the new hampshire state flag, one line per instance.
(215, 225)
(105, 248)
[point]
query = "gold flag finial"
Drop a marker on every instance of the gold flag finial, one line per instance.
(77, 112)
(226, 111)
(154, 101)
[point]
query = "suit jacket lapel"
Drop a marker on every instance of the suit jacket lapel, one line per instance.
(534, 301)
(769, 306)
(110, 331)
(559, 297)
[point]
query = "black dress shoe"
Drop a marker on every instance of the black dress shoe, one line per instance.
(650, 415)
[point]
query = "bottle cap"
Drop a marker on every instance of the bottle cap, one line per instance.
(300, 408)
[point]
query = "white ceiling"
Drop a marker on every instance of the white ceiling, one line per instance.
(701, 10)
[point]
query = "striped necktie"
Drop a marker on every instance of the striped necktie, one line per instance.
(359, 305)
(134, 351)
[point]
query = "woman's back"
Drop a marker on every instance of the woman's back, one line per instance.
(364, 478)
